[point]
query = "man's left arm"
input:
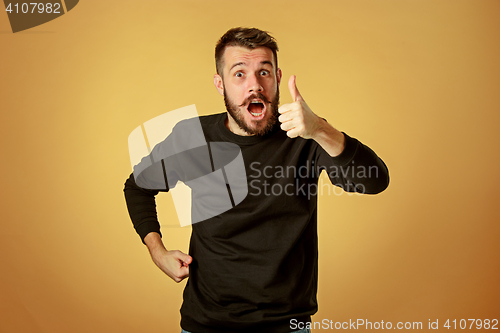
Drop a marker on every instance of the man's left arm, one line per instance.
(351, 161)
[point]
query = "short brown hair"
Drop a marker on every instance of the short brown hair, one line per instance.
(250, 38)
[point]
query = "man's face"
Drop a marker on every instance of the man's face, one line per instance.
(250, 88)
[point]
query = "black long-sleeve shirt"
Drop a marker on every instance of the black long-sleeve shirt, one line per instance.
(255, 266)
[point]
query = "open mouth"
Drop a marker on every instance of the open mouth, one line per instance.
(256, 108)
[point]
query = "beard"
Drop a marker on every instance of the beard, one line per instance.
(262, 127)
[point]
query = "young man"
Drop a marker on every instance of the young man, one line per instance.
(254, 267)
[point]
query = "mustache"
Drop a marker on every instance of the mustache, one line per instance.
(255, 96)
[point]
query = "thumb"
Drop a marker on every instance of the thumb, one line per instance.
(188, 259)
(185, 258)
(292, 86)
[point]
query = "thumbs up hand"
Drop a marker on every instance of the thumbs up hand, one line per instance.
(296, 118)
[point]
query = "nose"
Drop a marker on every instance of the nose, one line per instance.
(254, 84)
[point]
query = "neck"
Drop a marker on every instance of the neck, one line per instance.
(234, 127)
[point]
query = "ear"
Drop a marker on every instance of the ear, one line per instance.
(218, 84)
(278, 76)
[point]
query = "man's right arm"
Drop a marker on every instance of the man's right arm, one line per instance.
(141, 206)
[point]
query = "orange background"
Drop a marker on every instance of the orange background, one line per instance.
(417, 81)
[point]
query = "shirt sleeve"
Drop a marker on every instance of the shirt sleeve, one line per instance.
(356, 169)
(181, 156)
(141, 205)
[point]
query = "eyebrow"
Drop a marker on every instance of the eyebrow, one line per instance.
(242, 63)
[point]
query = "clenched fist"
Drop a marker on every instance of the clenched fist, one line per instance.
(173, 263)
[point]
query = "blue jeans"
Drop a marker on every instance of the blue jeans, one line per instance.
(301, 331)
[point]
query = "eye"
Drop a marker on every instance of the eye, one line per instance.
(238, 74)
(264, 72)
